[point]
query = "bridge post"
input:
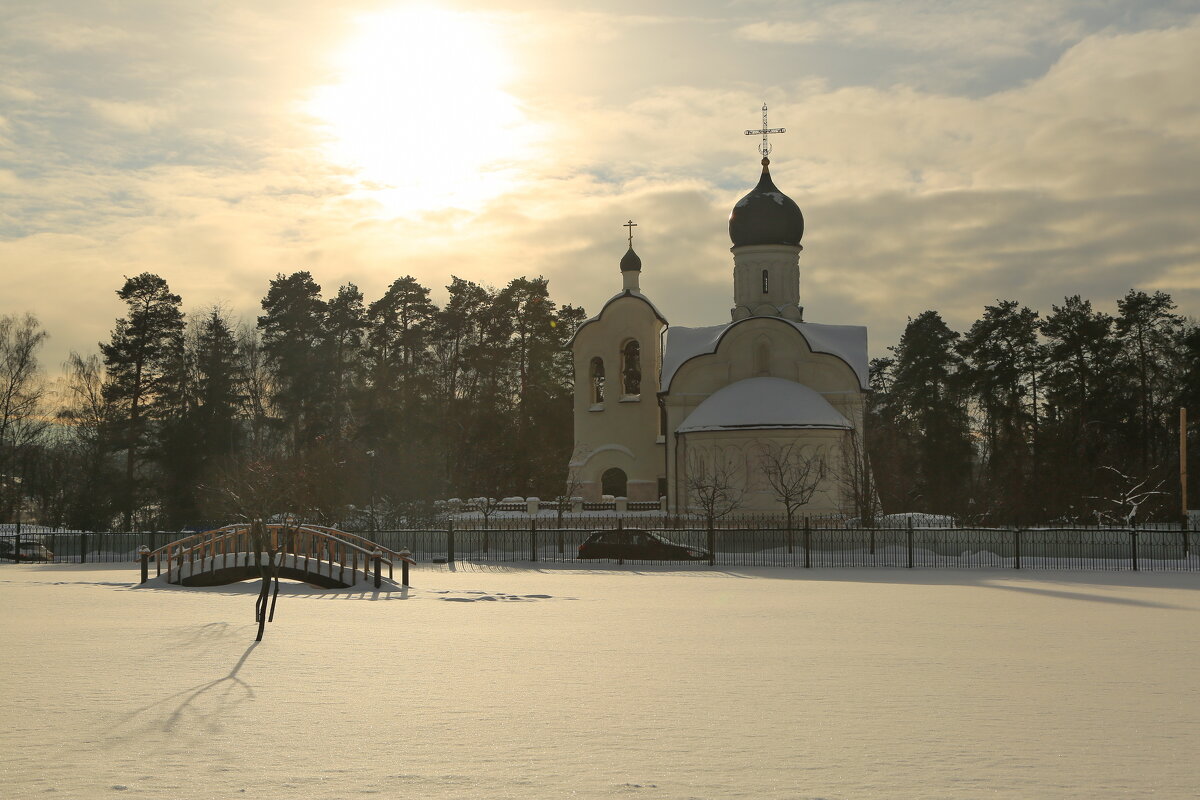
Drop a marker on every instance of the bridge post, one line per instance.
(144, 555)
(378, 557)
(404, 556)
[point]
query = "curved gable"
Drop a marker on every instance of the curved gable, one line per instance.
(627, 293)
(847, 343)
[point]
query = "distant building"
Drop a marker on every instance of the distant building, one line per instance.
(659, 411)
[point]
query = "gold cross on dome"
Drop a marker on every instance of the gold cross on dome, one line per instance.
(765, 147)
(631, 225)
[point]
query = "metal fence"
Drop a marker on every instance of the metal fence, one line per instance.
(1162, 548)
(80, 547)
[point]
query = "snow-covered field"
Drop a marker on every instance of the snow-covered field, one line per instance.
(488, 681)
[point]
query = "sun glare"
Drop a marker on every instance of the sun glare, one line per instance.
(421, 111)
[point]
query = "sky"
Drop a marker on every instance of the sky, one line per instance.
(945, 154)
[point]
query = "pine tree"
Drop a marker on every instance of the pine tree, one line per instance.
(1087, 401)
(346, 323)
(220, 389)
(139, 359)
(400, 421)
(1003, 362)
(926, 394)
(1151, 335)
(294, 343)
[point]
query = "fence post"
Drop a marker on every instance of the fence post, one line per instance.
(450, 540)
(17, 548)
(712, 544)
(144, 555)
(82, 548)
(1133, 541)
(1016, 548)
(1183, 527)
(807, 542)
(377, 556)
(910, 543)
(791, 537)
(404, 556)
(533, 539)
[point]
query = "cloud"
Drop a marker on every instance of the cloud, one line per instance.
(979, 29)
(1080, 180)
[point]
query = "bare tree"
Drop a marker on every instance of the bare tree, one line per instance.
(85, 416)
(21, 390)
(793, 475)
(714, 484)
(258, 387)
(573, 483)
(256, 491)
(855, 480)
(1129, 495)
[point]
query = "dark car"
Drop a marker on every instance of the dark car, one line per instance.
(30, 551)
(635, 544)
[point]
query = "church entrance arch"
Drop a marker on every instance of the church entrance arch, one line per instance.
(614, 482)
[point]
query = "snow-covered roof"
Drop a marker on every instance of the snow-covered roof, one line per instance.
(847, 342)
(763, 403)
(613, 299)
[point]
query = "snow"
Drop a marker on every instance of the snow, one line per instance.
(847, 342)
(779, 197)
(488, 681)
(763, 403)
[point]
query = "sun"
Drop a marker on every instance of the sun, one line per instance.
(421, 110)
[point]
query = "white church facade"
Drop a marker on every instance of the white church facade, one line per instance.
(660, 410)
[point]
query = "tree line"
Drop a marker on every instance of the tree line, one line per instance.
(380, 404)
(1071, 415)
(383, 406)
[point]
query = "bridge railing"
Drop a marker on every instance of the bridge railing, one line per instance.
(324, 552)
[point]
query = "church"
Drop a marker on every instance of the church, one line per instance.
(663, 411)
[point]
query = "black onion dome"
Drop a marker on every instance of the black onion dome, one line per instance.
(630, 262)
(766, 216)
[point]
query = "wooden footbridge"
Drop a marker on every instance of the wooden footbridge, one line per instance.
(315, 554)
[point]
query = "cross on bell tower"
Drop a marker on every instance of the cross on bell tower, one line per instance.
(765, 131)
(631, 264)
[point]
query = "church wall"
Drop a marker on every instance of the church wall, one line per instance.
(623, 431)
(744, 450)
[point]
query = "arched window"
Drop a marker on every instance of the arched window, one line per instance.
(766, 284)
(631, 368)
(597, 380)
(613, 482)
